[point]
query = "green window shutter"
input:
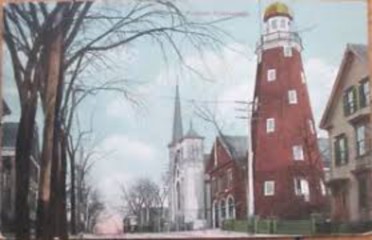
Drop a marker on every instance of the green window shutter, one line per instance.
(362, 97)
(336, 148)
(355, 98)
(346, 107)
(346, 150)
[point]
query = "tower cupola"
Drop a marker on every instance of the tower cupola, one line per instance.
(277, 18)
(278, 30)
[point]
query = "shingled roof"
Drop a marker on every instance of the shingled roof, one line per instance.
(236, 145)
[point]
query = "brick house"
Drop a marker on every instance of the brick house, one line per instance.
(347, 121)
(226, 179)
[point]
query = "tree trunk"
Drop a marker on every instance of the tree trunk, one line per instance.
(73, 196)
(63, 221)
(23, 152)
(43, 231)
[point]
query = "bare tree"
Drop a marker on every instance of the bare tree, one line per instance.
(32, 33)
(94, 210)
(139, 199)
(206, 114)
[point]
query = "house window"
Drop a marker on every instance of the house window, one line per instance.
(340, 150)
(298, 153)
(269, 188)
(303, 77)
(270, 125)
(360, 131)
(292, 97)
(229, 178)
(350, 101)
(271, 75)
(301, 186)
(287, 51)
(362, 193)
(311, 126)
(364, 95)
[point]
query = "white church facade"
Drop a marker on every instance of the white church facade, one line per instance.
(186, 193)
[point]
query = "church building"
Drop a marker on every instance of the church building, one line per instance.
(288, 171)
(186, 155)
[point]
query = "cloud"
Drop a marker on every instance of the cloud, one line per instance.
(128, 149)
(320, 77)
(125, 158)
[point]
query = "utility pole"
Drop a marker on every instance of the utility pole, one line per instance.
(249, 180)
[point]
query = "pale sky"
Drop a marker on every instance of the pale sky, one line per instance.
(137, 138)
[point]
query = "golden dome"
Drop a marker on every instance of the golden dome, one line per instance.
(277, 9)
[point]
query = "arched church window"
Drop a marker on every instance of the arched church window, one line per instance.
(215, 215)
(178, 190)
(231, 207)
(223, 209)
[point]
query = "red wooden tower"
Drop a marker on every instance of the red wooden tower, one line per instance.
(288, 171)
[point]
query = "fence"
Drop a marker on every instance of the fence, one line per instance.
(295, 227)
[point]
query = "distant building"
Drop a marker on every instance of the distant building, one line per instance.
(325, 151)
(8, 175)
(186, 190)
(347, 120)
(288, 169)
(151, 219)
(226, 179)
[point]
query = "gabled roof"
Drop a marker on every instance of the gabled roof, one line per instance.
(360, 52)
(236, 146)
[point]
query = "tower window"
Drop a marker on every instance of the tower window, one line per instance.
(301, 186)
(298, 153)
(274, 24)
(270, 125)
(287, 51)
(269, 188)
(311, 126)
(282, 24)
(292, 96)
(259, 57)
(323, 188)
(303, 77)
(271, 75)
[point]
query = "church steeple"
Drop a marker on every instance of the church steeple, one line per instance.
(177, 118)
